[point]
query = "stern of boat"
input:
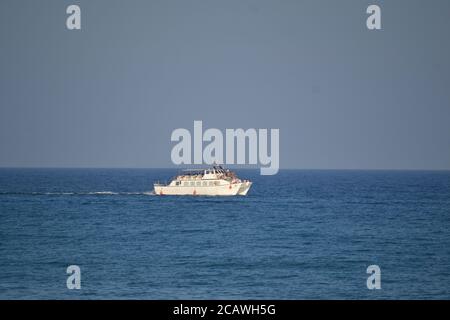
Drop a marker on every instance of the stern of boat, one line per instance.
(158, 188)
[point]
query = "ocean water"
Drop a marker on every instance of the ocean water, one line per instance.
(297, 235)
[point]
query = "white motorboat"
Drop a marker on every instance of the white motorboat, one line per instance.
(214, 181)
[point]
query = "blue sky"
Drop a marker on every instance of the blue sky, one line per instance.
(110, 94)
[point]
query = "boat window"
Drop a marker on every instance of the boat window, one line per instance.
(205, 183)
(186, 184)
(192, 183)
(211, 183)
(199, 183)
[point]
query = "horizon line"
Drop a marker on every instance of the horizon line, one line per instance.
(235, 168)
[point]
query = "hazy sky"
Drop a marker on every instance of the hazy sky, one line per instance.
(110, 94)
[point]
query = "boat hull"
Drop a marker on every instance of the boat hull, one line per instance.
(233, 189)
(245, 186)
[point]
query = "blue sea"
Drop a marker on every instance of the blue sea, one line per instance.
(301, 234)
